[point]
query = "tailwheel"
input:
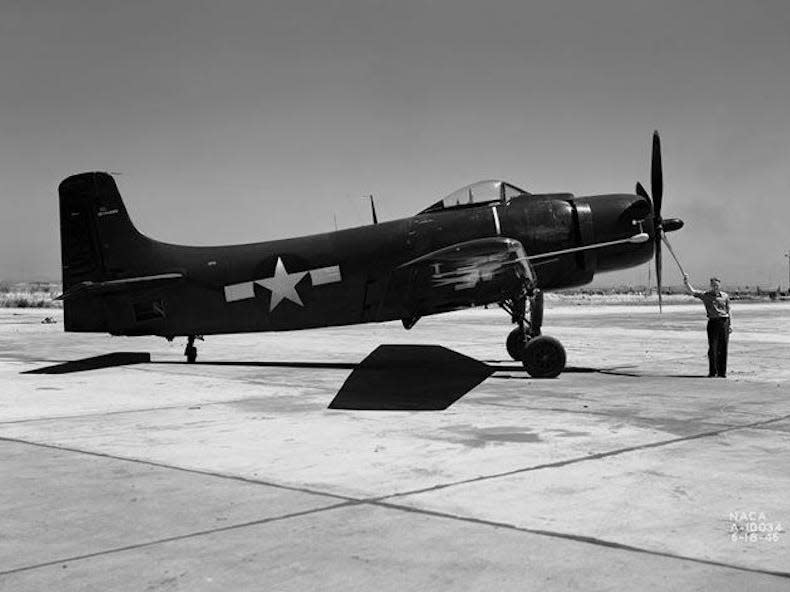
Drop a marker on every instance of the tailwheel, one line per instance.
(544, 357)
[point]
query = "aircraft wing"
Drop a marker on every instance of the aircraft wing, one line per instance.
(465, 274)
(92, 288)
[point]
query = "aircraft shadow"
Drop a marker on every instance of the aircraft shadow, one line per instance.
(391, 378)
(317, 365)
(95, 363)
(410, 378)
(396, 378)
(500, 367)
(648, 375)
(127, 358)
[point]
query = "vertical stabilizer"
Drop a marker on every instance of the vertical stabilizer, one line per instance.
(98, 243)
(95, 230)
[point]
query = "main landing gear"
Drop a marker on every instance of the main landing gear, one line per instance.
(542, 356)
(190, 351)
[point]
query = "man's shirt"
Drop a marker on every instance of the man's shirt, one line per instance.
(716, 305)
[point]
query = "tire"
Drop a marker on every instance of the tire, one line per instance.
(544, 357)
(516, 343)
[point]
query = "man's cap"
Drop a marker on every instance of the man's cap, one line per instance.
(715, 279)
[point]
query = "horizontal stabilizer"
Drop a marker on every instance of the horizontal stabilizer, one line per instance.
(93, 288)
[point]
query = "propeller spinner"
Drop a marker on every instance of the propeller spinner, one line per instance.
(660, 225)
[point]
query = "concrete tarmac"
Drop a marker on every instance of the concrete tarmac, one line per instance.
(631, 471)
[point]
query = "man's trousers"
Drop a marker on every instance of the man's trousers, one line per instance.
(718, 339)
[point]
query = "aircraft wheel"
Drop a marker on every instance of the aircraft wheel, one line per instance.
(516, 342)
(544, 357)
(191, 354)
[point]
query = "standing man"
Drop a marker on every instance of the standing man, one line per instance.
(717, 306)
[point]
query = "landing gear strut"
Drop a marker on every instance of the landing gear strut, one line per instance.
(518, 338)
(542, 356)
(527, 329)
(190, 351)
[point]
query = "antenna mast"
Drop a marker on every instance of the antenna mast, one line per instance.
(373, 210)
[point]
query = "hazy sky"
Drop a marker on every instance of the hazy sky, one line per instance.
(245, 121)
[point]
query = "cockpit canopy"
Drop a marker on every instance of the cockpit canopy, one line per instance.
(482, 192)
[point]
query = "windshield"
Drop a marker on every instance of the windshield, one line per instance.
(482, 192)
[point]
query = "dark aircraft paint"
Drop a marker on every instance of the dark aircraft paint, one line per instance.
(119, 281)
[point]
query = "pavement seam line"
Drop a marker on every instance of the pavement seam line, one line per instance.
(105, 414)
(380, 501)
(596, 456)
(576, 538)
(178, 538)
(187, 406)
(586, 412)
(158, 465)
(556, 464)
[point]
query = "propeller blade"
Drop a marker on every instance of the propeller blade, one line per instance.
(658, 270)
(640, 191)
(656, 176)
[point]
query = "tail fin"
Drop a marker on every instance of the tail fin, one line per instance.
(98, 243)
(95, 230)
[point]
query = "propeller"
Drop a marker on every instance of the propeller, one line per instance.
(659, 224)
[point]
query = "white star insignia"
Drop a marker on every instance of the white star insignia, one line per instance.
(282, 285)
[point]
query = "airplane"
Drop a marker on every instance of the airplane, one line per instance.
(487, 243)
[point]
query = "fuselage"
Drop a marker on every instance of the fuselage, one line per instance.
(337, 278)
